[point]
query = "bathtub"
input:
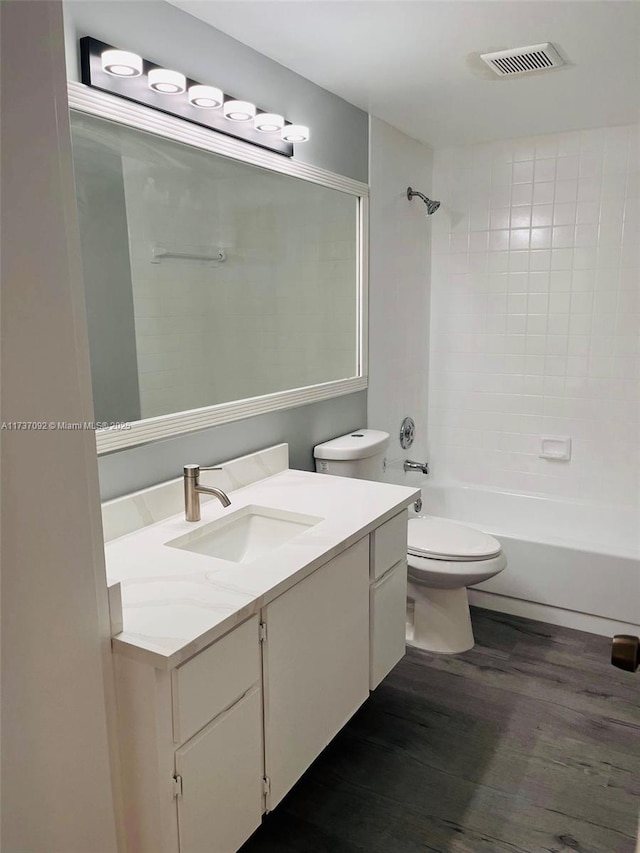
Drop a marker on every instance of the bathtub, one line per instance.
(569, 562)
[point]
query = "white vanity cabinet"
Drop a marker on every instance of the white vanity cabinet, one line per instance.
(191, 749)
(208, 746)
(219, 773)
(217, 704)
(316, 664)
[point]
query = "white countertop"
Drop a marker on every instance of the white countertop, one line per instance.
(176, 602)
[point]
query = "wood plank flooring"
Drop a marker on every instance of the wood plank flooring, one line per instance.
(529, 743)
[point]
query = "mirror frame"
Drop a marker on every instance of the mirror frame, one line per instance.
(87, 100)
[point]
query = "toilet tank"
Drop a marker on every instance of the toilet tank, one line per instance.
(359, 454)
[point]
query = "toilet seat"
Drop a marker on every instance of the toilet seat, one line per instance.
(452, 574)
(443, 554)
(441, 539)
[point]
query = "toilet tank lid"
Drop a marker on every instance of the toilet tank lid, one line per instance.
(359, 444)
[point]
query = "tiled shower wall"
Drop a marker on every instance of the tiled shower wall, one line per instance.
(534, 314)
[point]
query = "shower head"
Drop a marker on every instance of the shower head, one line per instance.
(432, 206)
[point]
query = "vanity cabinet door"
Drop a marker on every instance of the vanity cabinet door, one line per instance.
(388, 605)
(316, 664)
(221, 770)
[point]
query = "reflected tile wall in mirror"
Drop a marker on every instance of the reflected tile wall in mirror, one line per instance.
(280, 312)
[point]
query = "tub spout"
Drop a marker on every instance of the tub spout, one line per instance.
(409, 465)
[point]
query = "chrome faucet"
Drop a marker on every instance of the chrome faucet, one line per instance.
(193, 490)
(409, 465)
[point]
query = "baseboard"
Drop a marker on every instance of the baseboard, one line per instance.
(553, 615)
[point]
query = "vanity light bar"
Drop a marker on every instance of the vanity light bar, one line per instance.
(129, 76)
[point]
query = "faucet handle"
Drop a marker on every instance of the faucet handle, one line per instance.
(193, 470)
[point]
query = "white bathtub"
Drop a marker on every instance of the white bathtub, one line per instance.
(569, 563)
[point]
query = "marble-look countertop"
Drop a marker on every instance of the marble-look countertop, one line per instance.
(177, 602)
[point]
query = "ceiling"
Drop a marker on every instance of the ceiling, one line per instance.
(414, 63)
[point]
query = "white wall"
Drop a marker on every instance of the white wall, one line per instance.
(56, 783)
(535, 314)
(399, 262)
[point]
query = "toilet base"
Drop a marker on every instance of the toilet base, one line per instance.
(441, 619)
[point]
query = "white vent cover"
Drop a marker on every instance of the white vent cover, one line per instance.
(522, 60)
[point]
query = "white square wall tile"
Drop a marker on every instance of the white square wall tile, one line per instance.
(558, 324)
(522, 194)
(559, 302)
(543, 192)
(539, 260)
(566, 191)
(542, 214)
(519, 238)
(541, 238)
(545, 170)
(563, 236)
(499, 218)
(523, 172)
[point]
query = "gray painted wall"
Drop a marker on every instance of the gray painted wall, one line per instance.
(166, 35)
(302, 428)
(339, 142)
(102, 216)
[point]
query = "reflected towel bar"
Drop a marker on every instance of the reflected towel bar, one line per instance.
(158, 254)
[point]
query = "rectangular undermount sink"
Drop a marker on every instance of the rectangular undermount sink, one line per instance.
(245, 535)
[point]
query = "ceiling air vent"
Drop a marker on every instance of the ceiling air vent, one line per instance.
(522, 60)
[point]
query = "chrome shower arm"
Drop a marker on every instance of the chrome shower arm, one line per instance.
(431, 205)
(411, 193)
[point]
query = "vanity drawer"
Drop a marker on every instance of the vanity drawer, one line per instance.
(214, 679)
(388, 544)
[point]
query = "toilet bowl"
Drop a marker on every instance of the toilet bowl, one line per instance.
(445, 558)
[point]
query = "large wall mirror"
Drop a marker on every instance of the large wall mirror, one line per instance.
(218, 285)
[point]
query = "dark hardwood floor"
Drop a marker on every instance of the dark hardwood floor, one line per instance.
(529, 743)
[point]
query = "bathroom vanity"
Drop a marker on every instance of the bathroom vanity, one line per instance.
(234, 672)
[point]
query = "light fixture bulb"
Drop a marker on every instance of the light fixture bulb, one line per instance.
(167, 82)
(205, 97)
(121, 63)
(295, 133)
(239, 110)
(268, 122)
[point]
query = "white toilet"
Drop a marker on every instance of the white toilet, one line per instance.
(444, 557)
